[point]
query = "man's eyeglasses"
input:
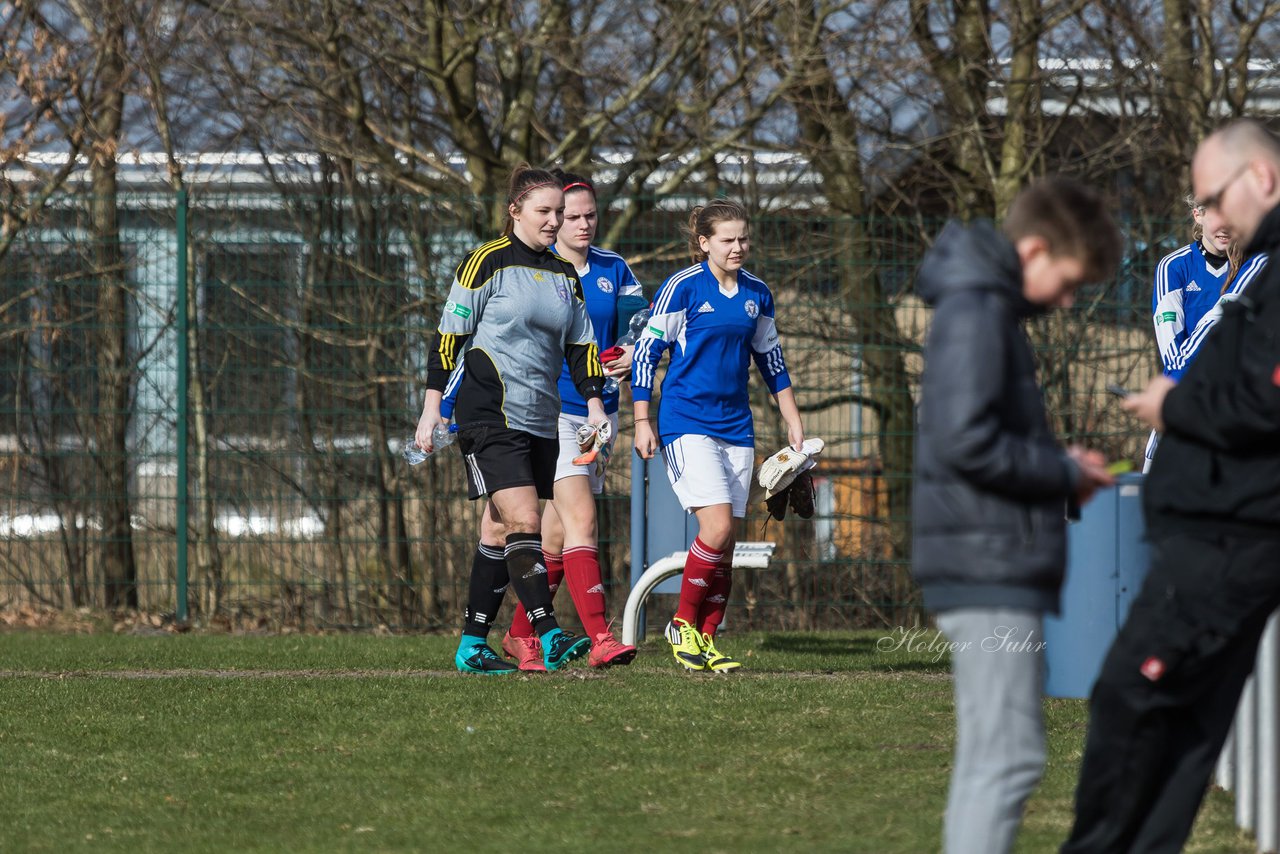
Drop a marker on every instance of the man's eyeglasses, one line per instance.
(1214, 200)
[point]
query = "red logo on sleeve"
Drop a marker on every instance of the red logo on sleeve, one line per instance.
(1275, 376)
(1153, 668)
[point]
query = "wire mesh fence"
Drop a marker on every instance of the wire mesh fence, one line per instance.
(203, 400)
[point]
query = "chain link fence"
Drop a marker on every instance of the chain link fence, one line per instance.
(202, 406)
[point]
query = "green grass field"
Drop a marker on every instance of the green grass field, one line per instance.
(365, 743)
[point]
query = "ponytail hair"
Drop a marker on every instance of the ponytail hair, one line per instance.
(1235, 259)
(704, 219)
(524, 180)
(1197, 230)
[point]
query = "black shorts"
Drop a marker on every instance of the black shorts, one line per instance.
(500, 458)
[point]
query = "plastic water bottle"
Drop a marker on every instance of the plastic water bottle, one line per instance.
(634, 331)
(441, 437)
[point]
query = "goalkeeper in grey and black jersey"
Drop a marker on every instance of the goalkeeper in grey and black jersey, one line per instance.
(514, 315)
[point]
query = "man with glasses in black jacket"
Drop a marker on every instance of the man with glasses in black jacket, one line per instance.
(1164, 701)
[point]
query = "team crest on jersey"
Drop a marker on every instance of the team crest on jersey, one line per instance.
(604, 285)
(752, 308)
(562, 290)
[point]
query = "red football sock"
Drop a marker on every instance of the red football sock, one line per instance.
(520, 626)
(699, 567)
(582, 572)
(713, 607)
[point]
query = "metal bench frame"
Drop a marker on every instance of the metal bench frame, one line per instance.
(745, 556)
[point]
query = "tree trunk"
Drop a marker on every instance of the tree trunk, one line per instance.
(115, 369)
(1022, 104)
(829, 133)
(1181, 115)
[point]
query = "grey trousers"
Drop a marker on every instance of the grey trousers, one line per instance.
(998, 668)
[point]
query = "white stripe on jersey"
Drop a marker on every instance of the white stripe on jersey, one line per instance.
(455, 379)
(644, 360)
(668, 290)
(1167, 333)
(608, 253)
(766, 343)
(775, 361)
(641, 372)
(1162, 270)
(1251, 269)
(1211, 317)
(1166, 300)
(650, 347)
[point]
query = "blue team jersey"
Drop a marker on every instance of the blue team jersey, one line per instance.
(1186, 301)
(605, 280)
(713, 337)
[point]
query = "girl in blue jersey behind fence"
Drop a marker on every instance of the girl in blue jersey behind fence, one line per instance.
(716, 318)
(1191, 284)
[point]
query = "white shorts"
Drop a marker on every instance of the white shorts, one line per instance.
(704, 471)
(568, 433)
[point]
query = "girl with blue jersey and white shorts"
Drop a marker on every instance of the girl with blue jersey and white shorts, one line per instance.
(1191, 285)
(715, 318)
(569, 540)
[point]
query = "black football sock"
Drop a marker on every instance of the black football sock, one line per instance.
(529, 578)
(488, 586)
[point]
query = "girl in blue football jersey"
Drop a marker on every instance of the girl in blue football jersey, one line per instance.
(1188, 283)
(1191, 283)
(716, 318)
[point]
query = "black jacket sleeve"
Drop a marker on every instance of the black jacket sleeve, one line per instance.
(585, 368)
(443, 358)
(1229, 399)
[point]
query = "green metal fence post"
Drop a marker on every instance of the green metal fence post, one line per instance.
(183, 367)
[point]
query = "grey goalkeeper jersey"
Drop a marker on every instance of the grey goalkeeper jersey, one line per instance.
(514, 315)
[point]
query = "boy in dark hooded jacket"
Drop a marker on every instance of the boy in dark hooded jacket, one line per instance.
(992, 485)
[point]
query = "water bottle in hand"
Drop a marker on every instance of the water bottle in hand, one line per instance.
(441, 437)
(634, 330)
